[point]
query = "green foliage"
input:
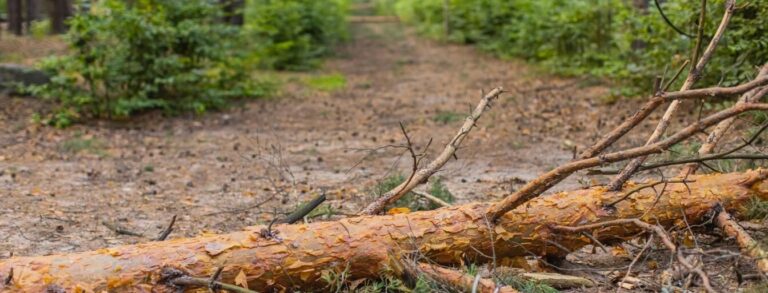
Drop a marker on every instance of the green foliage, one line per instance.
(439, 190)
(293, 34)
(605, 38)
(328, 83)
(413, 201)
(755, 209)
(154, 54)
(445, 117)
(40, 28)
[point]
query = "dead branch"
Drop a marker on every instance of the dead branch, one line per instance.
(120, 229)
(726, 155)
(366, 245)
(722, 128)
(658, 231)
(547, 180)
(628, 124)
(303, 211)
(455, 279)
(693, 76)
(179, 279)
(432, 198)
(747, 244)
(163, 235)
(448, 152)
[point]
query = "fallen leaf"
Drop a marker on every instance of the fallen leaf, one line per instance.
(241, 280)
(395, 211)
(619, 251)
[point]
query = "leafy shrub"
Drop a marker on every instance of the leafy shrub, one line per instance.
(293, 34)
(606, 38)
(154, 54)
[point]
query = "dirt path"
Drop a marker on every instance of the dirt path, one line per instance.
(234, 168)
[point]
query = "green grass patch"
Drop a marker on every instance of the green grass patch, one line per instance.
(79, 144)
(413, 201)
(755, 209)
(327, 83)
(445, 117)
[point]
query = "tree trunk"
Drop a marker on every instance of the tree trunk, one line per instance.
(15, 19)
(233, 11)
(59, 12)
(33, 13)
(296, 256)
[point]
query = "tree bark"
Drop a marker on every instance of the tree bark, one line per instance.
(59, 12)
(15, 19)
(296, 256)
(33, 13)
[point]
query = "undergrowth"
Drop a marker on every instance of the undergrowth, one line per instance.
(410, 200)
(155, 54)
(605, 38)
(755, 209)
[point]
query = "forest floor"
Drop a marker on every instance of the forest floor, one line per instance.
(331, 130)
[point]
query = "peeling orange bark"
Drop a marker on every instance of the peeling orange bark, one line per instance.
(298, 255)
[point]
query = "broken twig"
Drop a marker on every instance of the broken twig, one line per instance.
(448, 152)
(163, 235)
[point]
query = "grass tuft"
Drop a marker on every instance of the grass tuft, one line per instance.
(327, 83)
(756, 209)
(411, 200)
(445, 117)
(79, 144)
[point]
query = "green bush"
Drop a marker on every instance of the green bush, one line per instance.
(154, 54)
(294, 34)
(605, 38)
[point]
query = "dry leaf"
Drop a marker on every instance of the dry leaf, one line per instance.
(241, 280)
(395, 211)
(619, 251)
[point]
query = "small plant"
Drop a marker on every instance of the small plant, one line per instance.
(328, 83)
(410, 200)
(445, 117)
(439, 190)
(149, 168)
(756, 209)
(336, 280)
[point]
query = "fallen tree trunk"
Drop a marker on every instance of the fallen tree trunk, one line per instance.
(297, 256)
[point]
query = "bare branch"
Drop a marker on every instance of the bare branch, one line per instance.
(693, 76)
(722, 128)
(659, 231)
(545, 181)
(448, 152)
(748, 245)
(167, 230)
(432, 198)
